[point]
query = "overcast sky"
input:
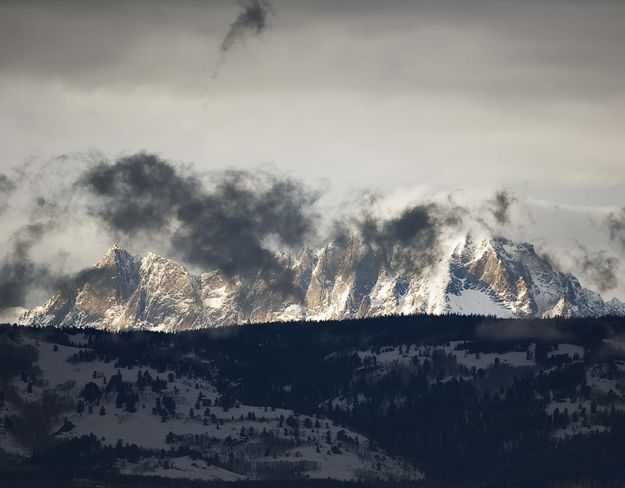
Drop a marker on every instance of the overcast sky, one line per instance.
(407, 98)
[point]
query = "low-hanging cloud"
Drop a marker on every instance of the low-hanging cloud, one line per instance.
(227, 223)
(22, 276)
(18, 273)
(418, 226)
(232, 221)
(616, 228)
(500, 206)
(600, 268)
(137, 193)
(416, 230)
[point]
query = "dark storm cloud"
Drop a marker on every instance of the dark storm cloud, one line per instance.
(251, 20)
(417, 225)
(227, 223)
(18, 273)
(227, 226)
(616, 227)
(416, 230)
(500, 206)
(600, 268)
(234, 221)
(139, 193)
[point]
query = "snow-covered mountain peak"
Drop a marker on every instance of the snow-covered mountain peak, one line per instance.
(346, 278)
(113, 257)
(616, 306)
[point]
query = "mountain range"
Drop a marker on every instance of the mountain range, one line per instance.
(346, 278)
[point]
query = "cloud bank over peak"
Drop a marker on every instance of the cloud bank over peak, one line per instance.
(63, 213)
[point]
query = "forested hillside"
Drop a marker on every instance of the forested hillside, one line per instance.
(442, 401)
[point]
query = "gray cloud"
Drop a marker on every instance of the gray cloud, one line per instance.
(616, 228)
(138, 193)
(234, 221)
(600, 268)
(416, 226)
(7, 186)
(251, 20)
(18, 273)
(43, 199)
(416, 230)
(500, 206)
(225, 224)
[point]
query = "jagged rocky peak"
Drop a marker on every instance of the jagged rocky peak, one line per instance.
(114, 256)
(344, 279)
(345, 273)
(167, 297)
(94, 294)
(516, 278)
(616, 306)
(220, 296)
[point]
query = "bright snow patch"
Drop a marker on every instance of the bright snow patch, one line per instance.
(476, 302)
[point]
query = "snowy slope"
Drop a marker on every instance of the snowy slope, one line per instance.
(242, 429)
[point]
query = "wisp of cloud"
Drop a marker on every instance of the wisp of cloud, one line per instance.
(252, 20)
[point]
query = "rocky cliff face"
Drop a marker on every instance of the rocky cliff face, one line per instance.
(344, 279)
